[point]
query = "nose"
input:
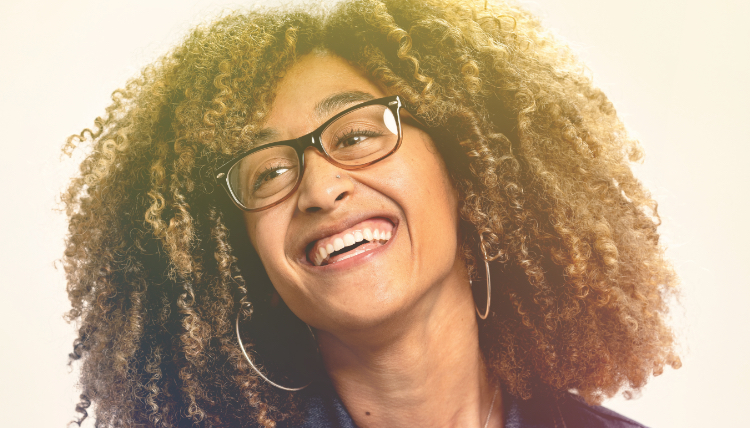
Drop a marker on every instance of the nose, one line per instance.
(323, 185)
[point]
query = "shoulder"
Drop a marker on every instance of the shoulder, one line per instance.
(574, 411)
(324, 409)
(549, 410)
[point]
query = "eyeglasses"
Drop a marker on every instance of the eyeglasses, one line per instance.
(359, 136)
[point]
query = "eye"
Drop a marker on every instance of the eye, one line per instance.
(354, 137)
(269, 174)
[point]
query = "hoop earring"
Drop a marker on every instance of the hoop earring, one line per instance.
(489, 283)
(255, 369)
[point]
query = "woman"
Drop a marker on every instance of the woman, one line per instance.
(430, 186)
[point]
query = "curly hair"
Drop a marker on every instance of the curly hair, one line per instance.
(158, 263)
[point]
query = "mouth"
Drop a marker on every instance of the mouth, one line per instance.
(358, 239)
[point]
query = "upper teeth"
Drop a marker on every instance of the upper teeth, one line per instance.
(349, 239)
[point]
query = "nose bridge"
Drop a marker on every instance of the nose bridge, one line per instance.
(320, 189)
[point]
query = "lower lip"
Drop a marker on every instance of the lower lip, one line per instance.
(352, 261)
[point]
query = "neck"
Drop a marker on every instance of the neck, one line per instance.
(422, 369)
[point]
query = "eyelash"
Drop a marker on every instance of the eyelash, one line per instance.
(357, 133)
(261, 177)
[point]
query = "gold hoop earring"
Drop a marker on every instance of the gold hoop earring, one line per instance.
(489, 283)
(255, 369)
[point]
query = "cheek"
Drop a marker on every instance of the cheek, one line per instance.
(266, 235)
(439, 195)
(428, 196)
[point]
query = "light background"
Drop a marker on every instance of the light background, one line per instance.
(677, 72)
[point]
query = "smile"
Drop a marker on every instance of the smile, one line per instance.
(361, 238)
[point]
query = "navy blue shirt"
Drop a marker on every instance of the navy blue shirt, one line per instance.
(541, 411)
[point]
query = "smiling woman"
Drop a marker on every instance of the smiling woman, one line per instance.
(391, 170)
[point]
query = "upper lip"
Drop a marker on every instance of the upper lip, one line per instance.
(333, 226)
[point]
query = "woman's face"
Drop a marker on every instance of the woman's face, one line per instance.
(408, 196)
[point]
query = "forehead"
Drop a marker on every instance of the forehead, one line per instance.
(313, 89)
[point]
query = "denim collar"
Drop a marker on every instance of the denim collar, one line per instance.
(325, 410)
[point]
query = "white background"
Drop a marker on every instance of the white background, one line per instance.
(677, 72)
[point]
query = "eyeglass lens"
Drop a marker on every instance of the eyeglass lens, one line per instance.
(359, 137)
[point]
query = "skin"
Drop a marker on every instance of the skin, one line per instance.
(396, 326)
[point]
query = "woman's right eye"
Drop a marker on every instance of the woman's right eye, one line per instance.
(353, 137)
(268, 175)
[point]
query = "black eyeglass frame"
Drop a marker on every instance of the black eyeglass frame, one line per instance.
(313, 139)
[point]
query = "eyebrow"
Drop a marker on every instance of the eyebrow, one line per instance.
(265, 135)
(322, 110)
(338, 101)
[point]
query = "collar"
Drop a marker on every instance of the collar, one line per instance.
(325, 410)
